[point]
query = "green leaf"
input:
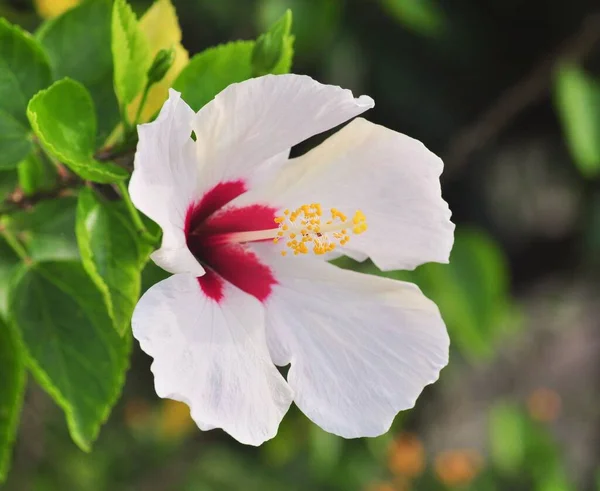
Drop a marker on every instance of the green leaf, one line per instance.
(273, 50)
(65, 115)
(36, 174)
(8, 183)
(471, 292)
(130, 51)
(112, 255)
(421, 16)
(15, 143)
(507, 437)
(78, 46)
(12, 100)
(72, 349)
(555, 479)
(316, 22)
(325, 451)
(63, 118)
(12, 381)
(577, 100)
(24, 69)
(223, 65)
(47, 230)
(9, 265)
(151, 275)
(217, 68)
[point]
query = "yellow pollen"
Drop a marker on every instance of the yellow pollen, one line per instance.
(324, 236)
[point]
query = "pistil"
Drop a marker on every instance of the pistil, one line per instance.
(303, 227)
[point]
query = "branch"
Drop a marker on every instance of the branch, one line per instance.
(117, 154)
(533, 88)
(18, 200)
(122, 155)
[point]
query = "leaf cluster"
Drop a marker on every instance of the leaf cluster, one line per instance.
(72, 246)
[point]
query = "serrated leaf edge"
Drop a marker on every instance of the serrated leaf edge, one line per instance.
(46, 383)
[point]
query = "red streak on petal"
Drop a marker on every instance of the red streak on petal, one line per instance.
(213, 200)
(207, 225)
(212, 285)
(239, 266)
(245, 219)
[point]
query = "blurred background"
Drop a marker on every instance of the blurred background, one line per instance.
(507, 93)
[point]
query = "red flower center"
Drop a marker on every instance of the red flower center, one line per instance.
(208, 222)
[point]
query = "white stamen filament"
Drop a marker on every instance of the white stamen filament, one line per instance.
(256, 235)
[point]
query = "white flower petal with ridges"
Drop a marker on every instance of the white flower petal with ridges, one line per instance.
(211, 353)
(391, 178)
(246, 131)
(164, 181)
(361, 348)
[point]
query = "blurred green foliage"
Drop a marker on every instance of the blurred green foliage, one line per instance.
(578, 101)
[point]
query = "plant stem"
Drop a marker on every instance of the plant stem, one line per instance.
(14, 244)
(127, 126)
(138, 113)
(135, 216)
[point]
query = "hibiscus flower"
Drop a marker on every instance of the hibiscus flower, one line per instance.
(247, 235)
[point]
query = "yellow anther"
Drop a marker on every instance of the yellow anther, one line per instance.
(283, 253)
(305, 222)
(359, 217)
(335, 213)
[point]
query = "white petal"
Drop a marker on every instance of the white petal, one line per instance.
(361, 348)
(246, 132)
(213, 356)
(391, 177)
(164, 180)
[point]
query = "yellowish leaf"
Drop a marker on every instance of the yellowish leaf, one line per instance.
(48, 9)
(161, 27)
